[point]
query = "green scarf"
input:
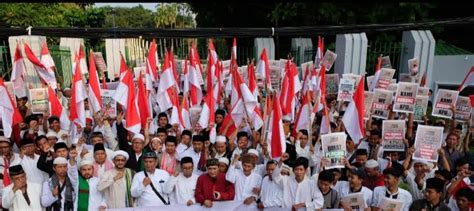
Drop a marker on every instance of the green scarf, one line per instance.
(83, 198)
(128, 182)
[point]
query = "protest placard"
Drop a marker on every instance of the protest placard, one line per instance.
(100, 62)
(390, 204)
(355, 201)
(442, 106)
(423, 91)
(368, 99)
(393, 88)
(370, 81)
(328, 59)
(386, 62)
(385, 78)
(463, 109)
(332, 83)
(39, 100)
(405, 77)
(381, 103)
(393, 134)
(421, 105)
(108, 103)
(355, 77)
(427, 142)
(275, 72)
(413, 66)
(346, 89)
(405, 97)
(334, 149)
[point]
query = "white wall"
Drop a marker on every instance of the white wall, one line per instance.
(450, 69)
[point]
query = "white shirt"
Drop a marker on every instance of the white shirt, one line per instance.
(96, 198)
(16, 201)
(183, 188)
(243, 184)
(14, 160)
(181, 148)
(47, 198)
(145, 196)
(33, 174)
(415, 192)
(344, 189)
(195, 156)
(403, 196)
(271, 194)
(306, 191)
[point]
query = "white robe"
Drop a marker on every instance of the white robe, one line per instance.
(145, 196)
(16, 201)
(271, 194)
(33, 174)
(344, 189)
(47, 198)
(14, 160)
(96, 198)
(243, 184)
(183, 188)
(306, 191)
(195, 156)
(115, 192)
(403, 196)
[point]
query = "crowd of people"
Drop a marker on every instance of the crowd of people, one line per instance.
(110, 167)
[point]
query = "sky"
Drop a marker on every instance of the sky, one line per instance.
(150, 6)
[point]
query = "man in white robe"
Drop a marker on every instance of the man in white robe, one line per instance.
(183, 184)
(246, 182)
(391, 192)
(29, 161)
(353, 186)
(116, 183)
(8, 158)
(194, 153)
(57, 192)
(299, 192)
(271, 194)
(145, 183)
(21, 194)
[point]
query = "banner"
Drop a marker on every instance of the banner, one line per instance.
(346, 89)
(328, 59)
(423, 91)
(405, 97)
(233, 205)
(355, 201)
(332, 83)
(427, 142)
(11, 91)
(393, 134)
(39, 100)
(385, 78)
(421, 105)
(381, 102)
(463, 109)
(442, 106)
(109, 104)
(334, 149)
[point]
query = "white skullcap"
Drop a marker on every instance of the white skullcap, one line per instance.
(254, 152)
(59, 160)
(371, 164)
(420, 161)
(224, 160)
(138, 136)
(220, 139)
(285, 167)
(122, 153)
(51, 134)
(85, 162)
(286, 118)
(4, 139)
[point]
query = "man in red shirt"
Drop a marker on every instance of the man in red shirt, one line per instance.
(213, 186)
(374, 177)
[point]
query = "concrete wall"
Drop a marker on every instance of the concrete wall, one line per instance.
(450, 70)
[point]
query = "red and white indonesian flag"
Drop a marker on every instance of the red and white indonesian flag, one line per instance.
(321, 90)
(82, 59)
(291, 86)
(185, 112)
(263, 67)
(142, 100)
(185, 75)
(123, 67)
(56, 109)
(151, 66)
(180, 114)
(304, 113)
(95, 101)
(319, 53)
(167, 81)
(213, 69)
(233, 66)
(206, 117)
(77, 113)
(18, 74)
(45, 67)
(195, 78)
(354, 116)
(8, 112)
(468, 80)
(277, 139)
(175, 72)
(125, 95)
(255, 114)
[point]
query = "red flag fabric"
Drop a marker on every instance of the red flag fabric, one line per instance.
(77, 113)
(18, 72)
(278, 143)
(468, 80)
(46, 74)
(354, 116)
(143, 102)
(8, 111)
(95, 101)
(57, 109)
